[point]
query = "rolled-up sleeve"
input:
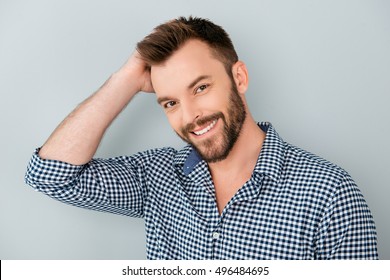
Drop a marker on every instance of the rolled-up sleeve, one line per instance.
(115, 185)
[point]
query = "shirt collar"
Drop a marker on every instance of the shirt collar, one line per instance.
(271, 158)
(182, 157)
(269, 162)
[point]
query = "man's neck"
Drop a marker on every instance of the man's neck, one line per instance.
(243, 156)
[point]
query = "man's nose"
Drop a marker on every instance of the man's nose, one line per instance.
(190, 112)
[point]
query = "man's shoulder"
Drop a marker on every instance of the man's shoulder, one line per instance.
(296, 163)
(313, 167)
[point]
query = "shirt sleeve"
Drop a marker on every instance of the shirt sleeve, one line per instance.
(347, 230)
(115, 185)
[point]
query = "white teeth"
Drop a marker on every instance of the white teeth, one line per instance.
(206, 129)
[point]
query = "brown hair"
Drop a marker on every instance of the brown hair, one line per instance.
(168, 37)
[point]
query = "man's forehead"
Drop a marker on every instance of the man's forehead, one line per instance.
(179, 79)
(184, 69)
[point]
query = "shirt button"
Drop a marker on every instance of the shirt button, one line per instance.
(216, 235)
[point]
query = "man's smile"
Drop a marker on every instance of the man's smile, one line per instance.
(206, 129)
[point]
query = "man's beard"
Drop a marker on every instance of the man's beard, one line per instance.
(217, 148)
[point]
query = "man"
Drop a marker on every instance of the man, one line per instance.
(236, 191)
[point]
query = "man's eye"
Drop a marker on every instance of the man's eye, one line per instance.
(169, 104)
(201, 88)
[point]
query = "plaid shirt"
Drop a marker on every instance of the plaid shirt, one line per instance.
(295, 205)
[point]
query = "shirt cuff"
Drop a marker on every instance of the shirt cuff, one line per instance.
(43, 173)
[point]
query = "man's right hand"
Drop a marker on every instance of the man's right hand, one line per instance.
(77, 138)
(136, 66)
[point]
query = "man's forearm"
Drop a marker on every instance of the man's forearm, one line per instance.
(77, 138)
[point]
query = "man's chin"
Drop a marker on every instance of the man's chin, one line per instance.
(212, 153)
(211, 150)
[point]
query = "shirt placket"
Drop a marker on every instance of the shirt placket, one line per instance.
(214, 231)
(217, 239)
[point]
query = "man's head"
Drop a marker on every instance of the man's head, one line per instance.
(199, 82)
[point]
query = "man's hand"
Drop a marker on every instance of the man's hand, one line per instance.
(77, 138)
(136, 66)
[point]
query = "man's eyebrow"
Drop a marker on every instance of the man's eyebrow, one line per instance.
(197, 80)
(190, 86)
(163, 99)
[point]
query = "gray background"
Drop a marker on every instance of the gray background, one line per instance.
(319, 71)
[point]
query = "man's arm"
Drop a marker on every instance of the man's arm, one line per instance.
(77, 138)
(347, 229)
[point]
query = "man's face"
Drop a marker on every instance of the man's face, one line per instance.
(200, 100)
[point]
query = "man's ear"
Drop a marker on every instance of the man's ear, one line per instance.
(240, 76)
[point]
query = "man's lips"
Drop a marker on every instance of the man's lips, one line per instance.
(202, 131)
(201, 126)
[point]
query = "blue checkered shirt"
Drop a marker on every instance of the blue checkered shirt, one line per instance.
(295, 205)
